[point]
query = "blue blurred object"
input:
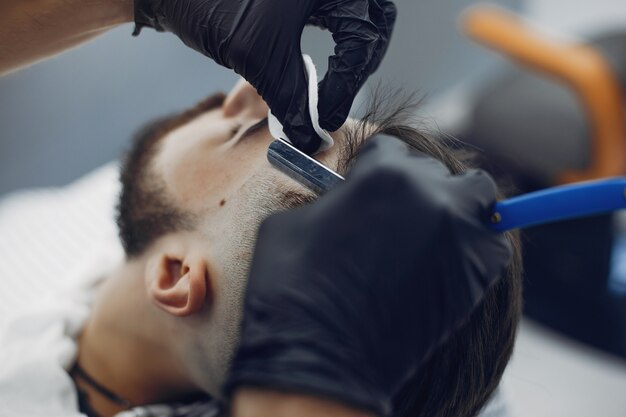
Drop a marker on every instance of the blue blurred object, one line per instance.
(560, 203)
(531, 128)
(540, 207)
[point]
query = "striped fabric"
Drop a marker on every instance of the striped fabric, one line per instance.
(48, 235)
(51, 240)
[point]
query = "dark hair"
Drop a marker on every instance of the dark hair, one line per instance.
(461, 375)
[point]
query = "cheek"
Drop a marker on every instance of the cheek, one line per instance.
(198, 177)
(204, 175)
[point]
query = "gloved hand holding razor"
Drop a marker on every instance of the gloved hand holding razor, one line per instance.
(260, 40)
(348, 296)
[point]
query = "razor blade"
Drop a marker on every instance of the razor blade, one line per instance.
(533, 209)
(302, 168)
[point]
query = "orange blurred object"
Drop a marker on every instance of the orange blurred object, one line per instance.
(579, 66)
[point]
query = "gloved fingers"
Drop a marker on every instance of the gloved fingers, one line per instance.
(357, 40)
(383, 14)
(477, 185)
(377, 150)
(390, 13)
(290, 103)
(388, 153)
(412, 178)
(382, 143)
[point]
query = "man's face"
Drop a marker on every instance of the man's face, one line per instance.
(193, 194)
(206, 161)
(197, 164)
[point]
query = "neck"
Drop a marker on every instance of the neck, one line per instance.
(124, 348)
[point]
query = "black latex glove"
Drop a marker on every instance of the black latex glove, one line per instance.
(260, 40)
(349, 295)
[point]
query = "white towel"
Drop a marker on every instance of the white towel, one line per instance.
(56, 245)
(276, 128)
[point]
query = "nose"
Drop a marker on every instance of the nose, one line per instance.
(244, 101)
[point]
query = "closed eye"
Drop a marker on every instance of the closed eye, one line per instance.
(235, 129)
(261, 124)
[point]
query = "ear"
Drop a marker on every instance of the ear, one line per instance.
(178, 284)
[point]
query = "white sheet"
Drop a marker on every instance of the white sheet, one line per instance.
(276, 128)
(56, 244)
(49, 236)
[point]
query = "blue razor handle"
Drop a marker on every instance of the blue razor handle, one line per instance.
(560, 203)
(545, 206)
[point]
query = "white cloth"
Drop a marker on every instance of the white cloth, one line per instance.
(56, 245)
(276, 128)
(38, 346)
(48, 237)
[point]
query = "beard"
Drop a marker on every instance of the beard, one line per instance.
(144, 211)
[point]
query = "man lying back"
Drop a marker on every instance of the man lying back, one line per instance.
(165, 325)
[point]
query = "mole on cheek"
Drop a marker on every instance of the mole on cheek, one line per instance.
(222, 202)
